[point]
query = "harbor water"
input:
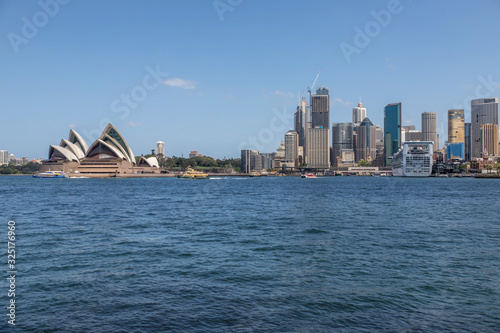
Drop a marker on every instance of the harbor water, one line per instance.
(263, 254)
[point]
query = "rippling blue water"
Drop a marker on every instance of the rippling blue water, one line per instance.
(254, 254)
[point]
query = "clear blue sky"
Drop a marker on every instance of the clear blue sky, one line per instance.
(226, 76)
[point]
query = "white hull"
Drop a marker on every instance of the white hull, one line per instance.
(414, 159)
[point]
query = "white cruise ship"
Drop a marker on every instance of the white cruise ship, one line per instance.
(414, 159)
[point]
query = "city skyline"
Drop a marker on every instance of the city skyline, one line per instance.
(195, 85)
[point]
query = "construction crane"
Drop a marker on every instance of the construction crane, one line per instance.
(314, 82)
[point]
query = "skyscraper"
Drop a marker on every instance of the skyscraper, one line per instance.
(291, 149)
(301, 120)
(160, 148)
(483, 111)
(392, 130)
(456, 135)
(341, 139)
(467, 145)
(429, 128)
(320, 108)
(456, 126)
(4, 157)
(379, 139)
(358, 114)
(489, 139)
(366, 143)
(318, 147)
(247, 164)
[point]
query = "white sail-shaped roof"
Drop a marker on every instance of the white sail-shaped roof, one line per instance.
(96, 148)
(60, 153)
(76, 139)
(113, 132)
(153, 161)
(108, 139)
(150, 161)
(73, 148)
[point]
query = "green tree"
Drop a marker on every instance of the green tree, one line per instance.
(488, 167)
(363, 163)
(497, 167)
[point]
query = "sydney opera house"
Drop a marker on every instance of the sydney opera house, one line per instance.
(108, 155)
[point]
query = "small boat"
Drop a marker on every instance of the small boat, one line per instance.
(308, 175)
(193, 174)
(254, 174)
(50, 174)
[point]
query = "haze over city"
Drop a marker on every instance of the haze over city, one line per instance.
(206, 76)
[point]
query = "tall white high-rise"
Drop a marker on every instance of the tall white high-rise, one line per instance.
(291, 149)
(358, 115)
(160, 148)
(4, 157)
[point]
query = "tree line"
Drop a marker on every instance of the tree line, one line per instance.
(26, 169)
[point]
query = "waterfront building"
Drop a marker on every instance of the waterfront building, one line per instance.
(160, 148)
(429, 128)
(12, 158)
(320, 108)
(341, 139)
(366, 146)
(347, 157)
(301, 120)
(301, 155)
(110, 154)
(318, 147)
(489, 139)
(4, 157)
(379, 139)
(467, 138)
(358, 114)
(247, 164)
(291, 149)
(256, 162)
(392, 130)
(456, 126)
(267, 160)
(483, 111)
(455, 151)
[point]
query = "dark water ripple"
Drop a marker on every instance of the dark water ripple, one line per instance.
(346, 254)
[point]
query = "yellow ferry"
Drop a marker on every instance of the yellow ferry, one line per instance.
(193, 174)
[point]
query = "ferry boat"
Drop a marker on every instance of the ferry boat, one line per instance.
(414, 159)
(193, 174)
(50, 174)
(308, 175)
(254, 174)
